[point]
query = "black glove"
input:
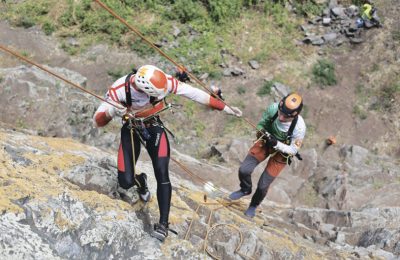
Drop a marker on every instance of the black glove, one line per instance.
(216, 92)
(261, 133)
(271, 141)
(182, 76)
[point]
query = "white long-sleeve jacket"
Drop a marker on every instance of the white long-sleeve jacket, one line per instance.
(141, 101)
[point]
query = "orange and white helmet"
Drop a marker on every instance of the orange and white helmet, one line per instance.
(152, 81)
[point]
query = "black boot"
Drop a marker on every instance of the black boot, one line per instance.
(160, 231)
(143, 190)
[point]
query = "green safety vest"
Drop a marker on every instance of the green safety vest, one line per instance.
(269, 123)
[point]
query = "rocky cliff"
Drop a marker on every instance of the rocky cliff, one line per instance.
(59, 200)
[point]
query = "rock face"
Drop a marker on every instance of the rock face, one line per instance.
(27, 94)
(60, 201)
(335, 25)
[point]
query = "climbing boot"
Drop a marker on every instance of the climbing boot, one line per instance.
(251, 211)
(143, 189)
(128, 195)
(238, 194)
(160, 231)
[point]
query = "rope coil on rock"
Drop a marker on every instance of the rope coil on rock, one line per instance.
(211, 228)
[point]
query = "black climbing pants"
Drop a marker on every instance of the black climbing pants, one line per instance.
(157, 146)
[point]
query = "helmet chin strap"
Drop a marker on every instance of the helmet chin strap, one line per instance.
(136, 88)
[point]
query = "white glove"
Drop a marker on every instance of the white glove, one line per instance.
(233, 111)
(113, 111)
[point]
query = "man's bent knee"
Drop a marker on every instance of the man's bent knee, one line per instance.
(124, 183)
(244, 171)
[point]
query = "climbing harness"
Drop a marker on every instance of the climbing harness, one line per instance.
(287, 141)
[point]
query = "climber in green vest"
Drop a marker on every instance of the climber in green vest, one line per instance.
(280, 134)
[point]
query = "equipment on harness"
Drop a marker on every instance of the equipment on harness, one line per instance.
(143, 130)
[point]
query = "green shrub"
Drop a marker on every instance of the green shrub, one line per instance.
(27, 14)
(308, 8)
(388, 94)
(324, 73)
(280, 14)
(241, 90)
(25, 22)
(396, 35)
(71, 50)
(199, 127)
(116, 73)
(249, 3)
(186, 11)
(224, 10)
(357, 2)
(48, 28)
(67, 19)
(25, 53)
(265, 89)
(360, 112)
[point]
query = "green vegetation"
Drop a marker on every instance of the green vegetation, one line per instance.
(324, 73)
(358, 2)
(199, 127)
(241, 90)
(21, 123)
(387, 95)
(224, 10)
(48, 28)
(265, 89)
(396, 35)
(360, 112)
(305, 111)
(25, 53)
(236, 127)
(211, 26)
(308, 8)
(71, 50)
(116, 73)
(377, 184)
